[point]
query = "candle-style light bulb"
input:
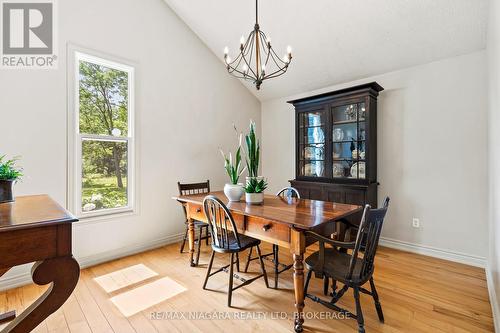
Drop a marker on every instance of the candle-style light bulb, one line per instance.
(268, 41)
(289, 50)
(226, 51)
(245, 68)
(242, 40)
(263, 68)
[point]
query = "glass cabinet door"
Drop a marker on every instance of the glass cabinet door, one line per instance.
(349, 141)
(311, 144)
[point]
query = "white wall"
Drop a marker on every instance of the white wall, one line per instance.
(186, 104)
(432, 156)
(493, 50)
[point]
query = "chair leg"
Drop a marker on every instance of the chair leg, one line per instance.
(262, 268)
(237, 262)
(376, 300)
(199, 246)
(276, 267)
(326, 281)
(230, 289)
(184, 239)
(248, 259)
(206, 235)
(308, 278)
(359, 313)
(209, 269)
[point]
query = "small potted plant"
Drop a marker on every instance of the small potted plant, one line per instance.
(252, 155)
(255, 191)
(9, 174)
(255, 184)
(234, 190)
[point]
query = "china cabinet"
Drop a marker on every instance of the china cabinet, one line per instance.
(336, 145)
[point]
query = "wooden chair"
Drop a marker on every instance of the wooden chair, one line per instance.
(286, 193)
(194, 188)
(226, 239)
(352, 270)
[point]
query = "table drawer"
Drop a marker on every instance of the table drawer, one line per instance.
(266, 229)
(196, 212)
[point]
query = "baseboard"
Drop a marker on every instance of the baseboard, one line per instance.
(25, 278)
(495, 306)
(127, 251)
(459, 257)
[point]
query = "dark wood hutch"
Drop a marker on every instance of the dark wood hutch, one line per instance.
(336, 145)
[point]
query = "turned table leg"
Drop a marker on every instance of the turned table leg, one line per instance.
(191, 241)
(298, 249)
(62, 273)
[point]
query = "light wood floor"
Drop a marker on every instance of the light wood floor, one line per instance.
(418, 294)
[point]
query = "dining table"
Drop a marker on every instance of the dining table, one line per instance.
(277, 220)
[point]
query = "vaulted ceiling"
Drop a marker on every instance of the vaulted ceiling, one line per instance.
(337, 41)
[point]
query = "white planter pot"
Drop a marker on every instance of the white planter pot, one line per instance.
(234, 192)
(254, 198)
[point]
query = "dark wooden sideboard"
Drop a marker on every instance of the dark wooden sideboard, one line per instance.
(336, 145)
(36, 229)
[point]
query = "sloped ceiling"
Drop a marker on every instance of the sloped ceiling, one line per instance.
(337, 41)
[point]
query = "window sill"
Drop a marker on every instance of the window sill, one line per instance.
(105, 216)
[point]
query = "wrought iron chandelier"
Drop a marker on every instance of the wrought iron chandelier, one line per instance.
(257, 61)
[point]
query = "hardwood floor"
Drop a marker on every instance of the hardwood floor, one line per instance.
(418, 294)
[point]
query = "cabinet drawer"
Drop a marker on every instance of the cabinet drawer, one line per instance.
(266, 229)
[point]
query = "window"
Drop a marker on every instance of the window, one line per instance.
(103, 136)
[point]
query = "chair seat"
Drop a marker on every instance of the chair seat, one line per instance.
(336, 265)
(245, 243)
(198, 224)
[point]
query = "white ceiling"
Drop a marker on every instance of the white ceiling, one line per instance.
(337, 41)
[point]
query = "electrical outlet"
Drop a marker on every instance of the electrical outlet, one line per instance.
(415, 223)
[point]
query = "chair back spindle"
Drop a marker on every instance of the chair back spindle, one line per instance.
(221, 223)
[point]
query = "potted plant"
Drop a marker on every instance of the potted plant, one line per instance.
(9, 174)
(234, 190)
(255, 184)
(255, 190)
(252, 153)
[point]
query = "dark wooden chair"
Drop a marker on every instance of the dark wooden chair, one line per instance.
(286, 193)
(195, 188)
(226, 239)
(352, 269)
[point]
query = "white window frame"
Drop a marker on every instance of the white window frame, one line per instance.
(76, 138)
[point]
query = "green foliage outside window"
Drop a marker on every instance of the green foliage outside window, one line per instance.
(103, 110)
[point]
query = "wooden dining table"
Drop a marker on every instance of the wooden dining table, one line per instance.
(280, 221)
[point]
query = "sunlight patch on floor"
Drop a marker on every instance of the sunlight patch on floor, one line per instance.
(125, 277)
(143, 297)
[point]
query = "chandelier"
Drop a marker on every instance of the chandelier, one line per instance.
(257, 61)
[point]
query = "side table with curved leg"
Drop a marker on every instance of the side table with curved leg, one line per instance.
(36, 229)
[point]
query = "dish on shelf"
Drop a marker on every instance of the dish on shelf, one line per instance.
(338, 170)
(315, 153)
(338, 134)
(362, 168)
(314, 169)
